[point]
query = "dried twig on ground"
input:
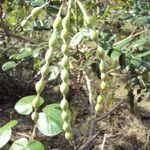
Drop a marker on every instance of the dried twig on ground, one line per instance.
(109, 112)
(87, 144)
(89, 91)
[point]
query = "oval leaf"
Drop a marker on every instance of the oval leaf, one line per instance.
(20, 144)
(48, 125)
(24, 105)
(76, 39)
(24, 144)
(35, 145)
(9, 66)
(5, 135)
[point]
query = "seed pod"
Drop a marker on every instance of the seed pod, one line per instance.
(64, 75)
(103, 66)
(36, 102)
(57, 22)
(97, 107)
(103, 76)
(100, 52)
(66, 126)
(64, 104)
(65, 116)
(87, 21)
(68, 135)
(66, 21)
(64, 88)
(64, 34)
(65, 61)
(45, 69)
(49, 55)
(93, 35)
(100, 99)
(64, 48)
(37, 10)
(103, 85)
(35, 116)
(52, 40)
(39, 86)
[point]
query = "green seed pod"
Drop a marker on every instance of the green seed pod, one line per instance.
(103, 66)
(49, 55)
(97, 107)
(45, 69)
(87, 21)
(57, 22)
(64, 88)
(36, 11)
(64, 34)
(103, 76)
(64, 104)
(39, 86)
(65, 116)
(66, 126)
(66, 21)
(103, 85)
(64, 48)
(36, 102)
(100, 52)
(93, 35)
(100, 99)
(65, 75)
(52, 40)
(35, 116)
(65, 61)
(68, 135)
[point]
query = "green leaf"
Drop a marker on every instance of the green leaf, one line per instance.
(36, 3)
(115, 54)
(24, 105)
(26, 53)
(54, 111)
(140, 21)
(123, 42)
(48, 126)
(9, 66)
(50, 122)
(24, 144)
(147, 53)
(76, 39)
(5, 135)
(10, 124)
(35, 145)
(20, 144)
(6, 132)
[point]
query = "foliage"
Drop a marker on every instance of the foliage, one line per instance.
(120, 33)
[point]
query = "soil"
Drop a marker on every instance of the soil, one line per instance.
(122, 129)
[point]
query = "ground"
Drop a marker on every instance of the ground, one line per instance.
(123, 130)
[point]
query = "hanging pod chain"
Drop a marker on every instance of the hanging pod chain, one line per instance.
(100, 53)
(39, 86)
(64, 87)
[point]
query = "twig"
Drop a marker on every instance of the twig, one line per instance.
(88, 142)
(109, 112)
(104, 140)
(89, 91)
(22, 134)
(9, 34)
(33, 132)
